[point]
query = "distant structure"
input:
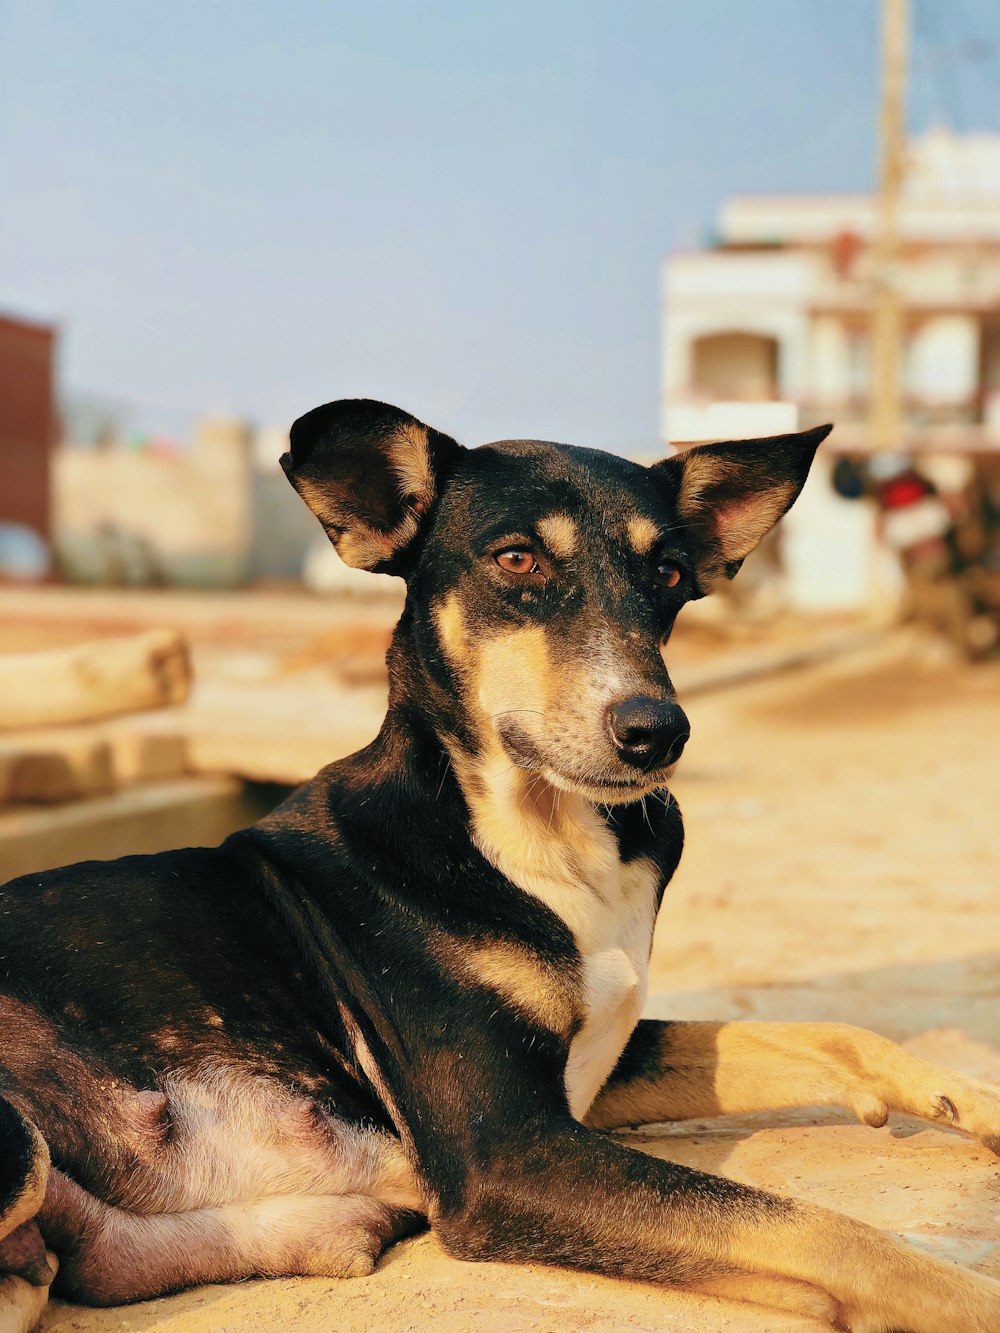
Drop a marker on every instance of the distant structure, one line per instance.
(27, 437)
(216, 512)
(123, 515)
(779, 307)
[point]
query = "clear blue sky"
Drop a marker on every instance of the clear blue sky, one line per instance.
(459, 206)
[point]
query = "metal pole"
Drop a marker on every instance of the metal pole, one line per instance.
(886, 411)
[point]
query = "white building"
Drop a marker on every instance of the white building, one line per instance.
(779, 308)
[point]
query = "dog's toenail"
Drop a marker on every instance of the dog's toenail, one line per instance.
(944, 1106)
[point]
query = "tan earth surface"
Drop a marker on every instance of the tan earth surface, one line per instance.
(843, 862)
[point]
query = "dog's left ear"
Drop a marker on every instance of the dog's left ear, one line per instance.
(370, 473)
(728, 496)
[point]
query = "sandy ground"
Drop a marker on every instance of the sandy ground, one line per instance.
(843, 862)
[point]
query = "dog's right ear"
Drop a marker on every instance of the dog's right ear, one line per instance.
(369, 472)
(729, 495)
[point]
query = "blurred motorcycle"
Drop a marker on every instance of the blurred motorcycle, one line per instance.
(948, 546)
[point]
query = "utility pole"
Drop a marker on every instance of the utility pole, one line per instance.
(887, 321)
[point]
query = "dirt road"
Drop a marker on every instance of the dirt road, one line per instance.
(843, 861)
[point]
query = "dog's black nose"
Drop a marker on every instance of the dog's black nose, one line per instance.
(648, 732)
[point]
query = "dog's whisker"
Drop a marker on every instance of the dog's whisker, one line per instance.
(444, 775)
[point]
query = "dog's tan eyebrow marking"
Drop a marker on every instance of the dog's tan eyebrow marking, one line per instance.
(643, 533)
(560, 534)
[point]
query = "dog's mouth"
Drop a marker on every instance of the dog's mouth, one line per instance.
(606, 792)
(599, 787)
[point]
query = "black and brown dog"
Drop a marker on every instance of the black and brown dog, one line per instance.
(413, 992)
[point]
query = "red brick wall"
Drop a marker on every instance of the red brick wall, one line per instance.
(27, 422)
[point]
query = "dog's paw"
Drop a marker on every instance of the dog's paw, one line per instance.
(968, 1105)
(883, 1078)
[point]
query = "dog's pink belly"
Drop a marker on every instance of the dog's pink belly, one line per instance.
(228, 1137)
(211, 1129)
(238, 1176)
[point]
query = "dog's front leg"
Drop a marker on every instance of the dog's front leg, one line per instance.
(564, 1194)
(676, 1071)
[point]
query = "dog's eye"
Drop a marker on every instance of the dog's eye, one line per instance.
(517, 562)
(667, 574)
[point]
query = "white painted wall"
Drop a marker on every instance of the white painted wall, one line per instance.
(718, 292)
(830, 360)
(733, 421)
(942, 360)
(830, 551)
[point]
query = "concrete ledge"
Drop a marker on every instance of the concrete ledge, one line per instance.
(752, 664)
(185, 812)
(93, 759)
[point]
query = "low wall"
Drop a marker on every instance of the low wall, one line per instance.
(122, 517)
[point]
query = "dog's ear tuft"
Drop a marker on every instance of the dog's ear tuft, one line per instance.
(728, 496)
(369, 472)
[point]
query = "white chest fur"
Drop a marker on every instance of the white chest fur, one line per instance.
(566, 856)
(615, 949)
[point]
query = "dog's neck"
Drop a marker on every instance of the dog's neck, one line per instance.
(557, 845)
(551, 843)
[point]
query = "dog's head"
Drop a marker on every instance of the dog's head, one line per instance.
(544, 580)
